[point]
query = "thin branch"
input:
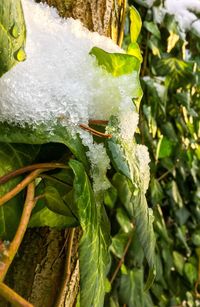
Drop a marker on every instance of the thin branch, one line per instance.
(14, 245)
(122, 23)
(121, 261)
(11, 296)
(67, 270)
(21, 186)
(95, 132)
(29, 168)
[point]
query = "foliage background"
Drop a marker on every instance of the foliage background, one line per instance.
(170, 127)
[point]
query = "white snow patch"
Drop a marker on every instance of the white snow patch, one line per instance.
(142, 155)
(61, 82)
(183, 11)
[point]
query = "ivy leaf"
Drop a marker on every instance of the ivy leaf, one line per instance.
(179, 72)
(136, 24)
(132, 289)
(116, 63)
(12, 34)
(46, 217)
(42, 134)
(93, 248)
(13, 156)
(142, 215)
(152, 28)
(134, 49)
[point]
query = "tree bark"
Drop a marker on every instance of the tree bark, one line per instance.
(43, 272)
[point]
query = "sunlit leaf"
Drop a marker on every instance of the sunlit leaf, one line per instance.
(116, 63)
(93, 248)
(135, 24)
(12, 34)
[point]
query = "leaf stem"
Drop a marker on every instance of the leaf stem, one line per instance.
(29, 168)
(67, 269)
(95, 132)
(121, 261)
(21, 186)
(12, 297)
(14, 245)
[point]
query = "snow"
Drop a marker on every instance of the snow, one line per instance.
(184, 12)
(142, 155)
(61, 82)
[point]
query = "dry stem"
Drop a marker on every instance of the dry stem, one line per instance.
(29, 168)
(12, 297)
(14, 245)
(21, 186)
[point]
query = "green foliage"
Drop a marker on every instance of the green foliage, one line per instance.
(169, 125)
(12, 34)
(13, 156)
(93, 249)
(116, 63)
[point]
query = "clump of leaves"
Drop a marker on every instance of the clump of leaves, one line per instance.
(169, 125)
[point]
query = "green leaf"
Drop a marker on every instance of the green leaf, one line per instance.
(132, 288)
(120, 182)
(191, 273)
(179, 72)
(142, 215)
(12, 157)
(166, 148)
(55, 202)
(12, 34)
(124, 220)
(118, 245)
(179, 262)
(116, 63)
(134, 49)
(156, 191)
(42, 134)
(110, 197)
(152, 28)
(46, 217)
(93, 249)
(135, 24)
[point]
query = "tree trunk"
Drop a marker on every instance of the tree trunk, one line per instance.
(46, 269)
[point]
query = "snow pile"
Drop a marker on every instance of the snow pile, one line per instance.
(184, 12)
(61, 82)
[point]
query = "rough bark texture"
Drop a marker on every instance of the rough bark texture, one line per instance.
(40, 272)
(103, 16)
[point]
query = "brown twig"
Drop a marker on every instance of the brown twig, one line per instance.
(95, 132)
(122, 23)
(121, 261)
(21, 186)
(29, 168)
(67, 271)
(12, 297)
(14, 245)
